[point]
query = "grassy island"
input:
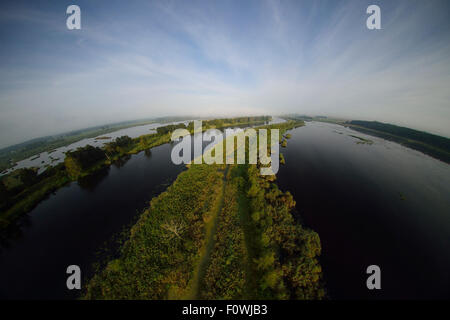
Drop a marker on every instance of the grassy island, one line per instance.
(218, 232)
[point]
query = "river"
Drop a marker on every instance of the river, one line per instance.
(73, 224)
(380, 204)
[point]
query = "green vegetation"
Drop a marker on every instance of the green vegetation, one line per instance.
(23, 189)
(224, 277)
(192, 243)
(361, 140)
(18, 152)
(159, 259)
(231, 122)
(81, 162)
(218, 232)
(433, 145)
(282, 160)
(286, 253)
(170, 128)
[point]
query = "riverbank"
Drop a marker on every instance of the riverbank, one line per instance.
(433, 145)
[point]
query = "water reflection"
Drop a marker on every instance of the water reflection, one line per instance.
(72, 224)
(380, 204)
(91, 181)
(120, 162)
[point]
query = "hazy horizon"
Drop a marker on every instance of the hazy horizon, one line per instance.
(136, 59)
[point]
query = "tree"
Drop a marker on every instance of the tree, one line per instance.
(175, 228)
(82, 159)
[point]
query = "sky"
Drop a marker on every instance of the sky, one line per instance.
(143, 59)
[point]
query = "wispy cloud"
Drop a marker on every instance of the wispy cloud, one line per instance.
(144, 59)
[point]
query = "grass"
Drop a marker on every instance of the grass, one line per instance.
(205, 251)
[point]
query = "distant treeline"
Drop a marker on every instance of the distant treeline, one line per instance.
(216, 123)
(170, 128)
(433, 145)
(236, 121)
(21, 151)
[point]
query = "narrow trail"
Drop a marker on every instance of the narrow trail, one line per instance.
(211, 228)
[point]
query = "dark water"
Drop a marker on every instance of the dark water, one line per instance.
(73, 224)
(379, 204)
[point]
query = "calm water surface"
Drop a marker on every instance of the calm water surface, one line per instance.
(380, 204)
(73, 224)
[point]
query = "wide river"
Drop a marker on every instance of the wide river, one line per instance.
(379, 204)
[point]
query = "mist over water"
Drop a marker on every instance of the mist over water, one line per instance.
(380, 204)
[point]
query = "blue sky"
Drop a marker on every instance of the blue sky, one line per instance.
(138, 59)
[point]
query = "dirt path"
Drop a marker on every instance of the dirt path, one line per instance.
(211, 228)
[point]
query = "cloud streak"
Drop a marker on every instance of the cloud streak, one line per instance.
(222, 58)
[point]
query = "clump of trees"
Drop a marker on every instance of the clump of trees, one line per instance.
(170, 128)
(119, 146)
(79, 161)
(15, 183)
(287, 254)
